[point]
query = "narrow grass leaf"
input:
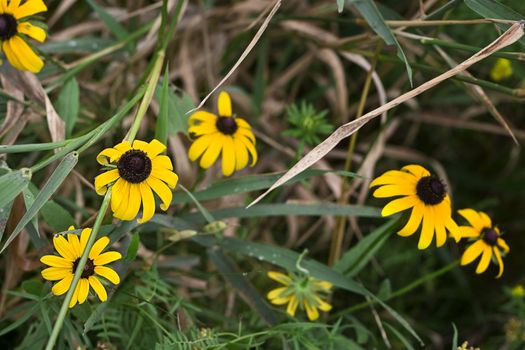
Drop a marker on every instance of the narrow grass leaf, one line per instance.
(68, 103)
(11, 184)
(340, 5)
(133, 248)
(115, 27)
(400, 336)
(4, 215)
(52, 184)
(161, 128)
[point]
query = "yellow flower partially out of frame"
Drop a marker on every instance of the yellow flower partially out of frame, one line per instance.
(300, 291)
(225, 134)
(487, 241)
(136, 171)
(501, 70)
(14, 26)
(63, 266)
(426, 196)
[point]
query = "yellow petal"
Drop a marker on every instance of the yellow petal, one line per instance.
(473, 218)
(398, 205)
(74, 299)
(413, 222)
(98, 247)
(74, 244)
(241, 154)
(323, 285)
(203, 117)
(276, 293)
(212, 153)
(119, 194)
(468, 232)
(417, 170)
(108, 274)
(251, 148)
(292, 306)
(98, 288)
(134, 202)
(246, 133)
(485, 259)
(394, 190)
(441, 215)
(102, 180)
(123, 147)
(499, 260)
(280, 301)
(280, 277)
(202, 129)
(107, 257)
(56, 261)
(63, 248)
(11, 56)
(228, 156)
(109, 155)
(32, 31)
(198, 147)
(321, 304)
(394, 177)
(148, 203)
(162, 190)
(84, 237)
(162, 162)
(155, 148)
(13, 5)
(485, 219)
(24, 54)
(56, 273)
(169, 177)
(311, 311)
(83, 290)
(140, 145)
(243, 124)
(472, 252)
(501, 243)
(224, 105)
(427, 232)
(441, 234)
(29, 8)
(63, 286)
(453, 228)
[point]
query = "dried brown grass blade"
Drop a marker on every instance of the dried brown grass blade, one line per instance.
(246, 52)
(513, 34)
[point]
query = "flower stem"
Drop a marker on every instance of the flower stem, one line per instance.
(148, 96)
(65, 305)
(338, 235)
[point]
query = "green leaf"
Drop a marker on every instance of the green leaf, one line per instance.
(178, 108)
(52, 184)
(12, 183)
(455, 337)
(20, 321)
(356, 258)
(375, 20)
(133, 248)
(248, 293)
(33, 287)
(68, 104)
(58, 218)
(400, 336)
(494, 9)
(4, 216)
(161, 131)
(112, 24)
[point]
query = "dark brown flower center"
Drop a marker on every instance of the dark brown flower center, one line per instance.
(227, 125)
(134, 166)
(431, 190)
(490, 236)
(89, 268)
(7, 26)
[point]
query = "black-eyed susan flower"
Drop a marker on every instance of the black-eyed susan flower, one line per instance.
(425, 195)
(14, 27)
(501, 70)
(136, 171)
(300, 291)
(487, 241)
(63, 267)
(224, 134)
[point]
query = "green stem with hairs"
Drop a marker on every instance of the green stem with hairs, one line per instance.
(78, 272)
(148, 96)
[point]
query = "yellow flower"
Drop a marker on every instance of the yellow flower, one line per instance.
(226, 134)
(300, 291)
(14, 22)
(138, 169)
(487, 240)
(502, 69)
(63, 267)
(426, 195)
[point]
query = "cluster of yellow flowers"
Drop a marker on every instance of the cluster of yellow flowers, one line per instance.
(425, 195)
